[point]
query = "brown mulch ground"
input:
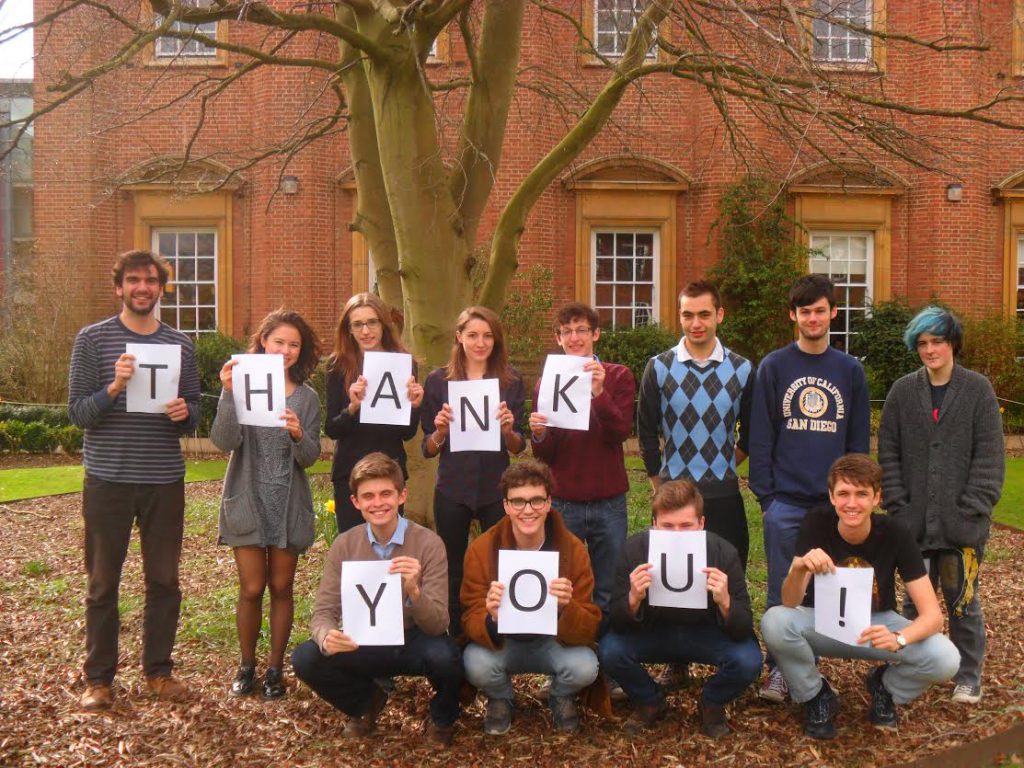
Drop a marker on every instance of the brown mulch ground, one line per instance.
(41, 639)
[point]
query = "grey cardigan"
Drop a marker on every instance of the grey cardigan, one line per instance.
(238, 525)
(942, 479)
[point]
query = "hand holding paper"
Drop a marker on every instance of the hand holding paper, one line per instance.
(154, 383)
(842, 603)
(565, 392)
(257, 386)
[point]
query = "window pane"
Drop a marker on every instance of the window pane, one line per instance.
(205, 243)
(624, 318)
(205, 269)
(624, 295)
(187, 294)
(166, 245)
(206, 294)
(623, 270)
(186, 270)
(624, 244)
(207, 319)
(187, 320)
(605, 243)
(605, 268)
(603, 295)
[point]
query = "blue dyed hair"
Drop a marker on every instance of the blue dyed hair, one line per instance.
(938, 322)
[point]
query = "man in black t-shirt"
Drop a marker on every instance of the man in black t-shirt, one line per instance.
(914, 653)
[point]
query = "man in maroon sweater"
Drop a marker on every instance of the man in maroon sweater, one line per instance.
(589, 469)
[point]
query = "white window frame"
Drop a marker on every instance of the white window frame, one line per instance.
(618, 36)
(825, 33)
(653, 314)
(1020, 279)
(173, 260)
(175, 48)
(841, 295)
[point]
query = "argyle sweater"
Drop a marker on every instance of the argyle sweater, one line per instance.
(695, 409)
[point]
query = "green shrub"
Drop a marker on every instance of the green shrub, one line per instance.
(11, 435)
(760, 261)
(54, 416)
(992, 346)
(879, 344)
(526, 316)
(70, 438)
(633, 347)
(38, 438)
(212, 351)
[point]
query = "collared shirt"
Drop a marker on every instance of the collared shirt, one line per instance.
(717, 354)
(398, 537)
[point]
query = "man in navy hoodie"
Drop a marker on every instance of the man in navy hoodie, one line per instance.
(810, 408)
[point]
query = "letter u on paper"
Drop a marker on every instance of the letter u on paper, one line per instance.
(678, 578)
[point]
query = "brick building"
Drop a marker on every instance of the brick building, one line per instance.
(623, 230)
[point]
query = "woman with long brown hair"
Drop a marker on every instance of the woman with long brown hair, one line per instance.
(266, 513)
(364, 326)
(467, 481)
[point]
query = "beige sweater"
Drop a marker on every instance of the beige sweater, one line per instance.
(429, 613)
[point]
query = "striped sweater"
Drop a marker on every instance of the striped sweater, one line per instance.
(122, 447)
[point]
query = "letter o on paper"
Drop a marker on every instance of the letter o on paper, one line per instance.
(512, 591)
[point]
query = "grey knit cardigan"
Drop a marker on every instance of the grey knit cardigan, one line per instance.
(942, 479)
(238, 525)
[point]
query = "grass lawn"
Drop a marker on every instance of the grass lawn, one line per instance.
(49, 481)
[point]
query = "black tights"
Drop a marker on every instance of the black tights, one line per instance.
(258, 566)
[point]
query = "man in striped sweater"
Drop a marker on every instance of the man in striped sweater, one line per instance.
(134, 472)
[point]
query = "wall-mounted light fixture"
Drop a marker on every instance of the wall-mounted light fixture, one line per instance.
(289, 185)
(954, 192)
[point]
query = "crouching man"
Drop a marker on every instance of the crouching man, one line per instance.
(914, 654)
(343, 673)
(490, 658)
(721, 634)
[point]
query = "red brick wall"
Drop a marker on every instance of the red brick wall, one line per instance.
(296, 250)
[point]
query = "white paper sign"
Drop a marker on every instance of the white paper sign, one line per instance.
(371, 603)
(527, 606)
(842, 603)
(474, 424)
(257, 384)
(677, 578)
(564, 395)
(387, 396)
(155, 381)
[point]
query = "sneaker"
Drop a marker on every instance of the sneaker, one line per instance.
(967, 694)
(565, 715)
(774, 687)
(615, 692)
(439, 735)
(674, 677)
(883, 710)
(498, 717)
(644, 716)
(712, 720)
(168, 688)
(820, 713)
(357, 727)
(245, 680)
(273, 683)
(97, 696)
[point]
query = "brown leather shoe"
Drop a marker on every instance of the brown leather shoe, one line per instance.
(439, 735)
(96, 697)
(357, 727)
(168, 688)
(644, 716)
(712, 720)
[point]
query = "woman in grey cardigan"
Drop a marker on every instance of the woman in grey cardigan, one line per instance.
(266, 512)
(941, 448)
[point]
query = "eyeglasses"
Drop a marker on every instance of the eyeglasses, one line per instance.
(581, 332)
(537, 503)
(358, 325)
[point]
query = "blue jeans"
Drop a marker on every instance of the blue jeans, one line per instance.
(572, 667)
(346, 680)
(601, 525)
(790, 637)
(781, 526)
(738, 662)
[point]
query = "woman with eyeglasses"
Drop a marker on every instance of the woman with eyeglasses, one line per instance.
(468, 481)
(365, 326)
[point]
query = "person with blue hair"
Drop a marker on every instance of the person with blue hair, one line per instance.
(940, 444)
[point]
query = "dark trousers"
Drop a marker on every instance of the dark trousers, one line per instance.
(452, 521)
(345, 514)
(346, 680)
(622, 655)
(110, 511)
(727, 517)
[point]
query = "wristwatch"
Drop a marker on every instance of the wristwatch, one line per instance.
(901, 641)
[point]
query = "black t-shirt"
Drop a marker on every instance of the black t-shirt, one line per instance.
(889, 547)
(938, 395)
